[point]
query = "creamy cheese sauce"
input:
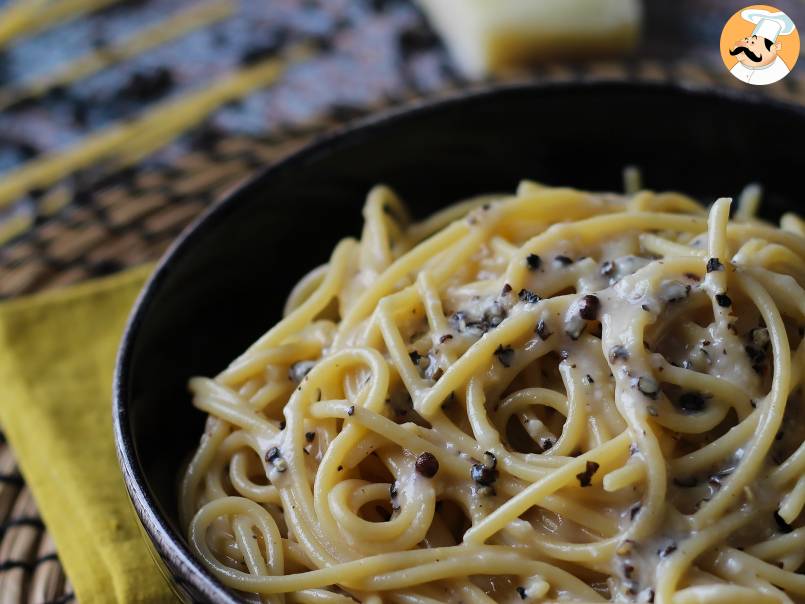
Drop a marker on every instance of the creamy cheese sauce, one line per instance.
(556, 395)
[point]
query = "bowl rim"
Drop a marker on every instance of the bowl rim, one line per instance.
(169, 544)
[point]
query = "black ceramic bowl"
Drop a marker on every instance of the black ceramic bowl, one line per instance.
(224, 281)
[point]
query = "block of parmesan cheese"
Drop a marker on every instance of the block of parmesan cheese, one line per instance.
(487, 36)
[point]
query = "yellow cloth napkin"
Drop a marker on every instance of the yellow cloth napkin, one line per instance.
(57, 353)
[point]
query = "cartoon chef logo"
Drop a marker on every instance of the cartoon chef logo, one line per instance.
(760, 45)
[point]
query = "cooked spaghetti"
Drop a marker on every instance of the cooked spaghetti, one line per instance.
(555, 395)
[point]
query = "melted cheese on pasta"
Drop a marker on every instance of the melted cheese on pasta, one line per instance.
(554, 395)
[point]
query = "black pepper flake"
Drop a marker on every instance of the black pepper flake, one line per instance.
(782, 525)
(274, 457)
(483, 475)
(645, 307)
(608, 268)
(505, 355)
(492, 318)
(546, 444)
(588, 307)
(542, 330)
(415, 357)
(351, 410)
(339, 468)
(445, 337)
(634, 511)
(691, 402)
(393, 490)
(585, 477)
(533, 261)
(309, 436)
(528, 296)
(667, 550)
(723, 300)
(648, 386)
(427, 465)
(506, 289)
(650, 597)
(563, 260)
(618, 353)
(521, 591)
(714, 264)
(588, 379)
(628, 570)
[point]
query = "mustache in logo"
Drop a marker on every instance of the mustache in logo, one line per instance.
(743, 49)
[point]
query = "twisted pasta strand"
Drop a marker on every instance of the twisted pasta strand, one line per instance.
(554, 395)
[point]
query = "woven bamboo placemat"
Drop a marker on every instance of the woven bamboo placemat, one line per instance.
(126, 217)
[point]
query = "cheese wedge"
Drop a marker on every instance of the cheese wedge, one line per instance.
(488, 36)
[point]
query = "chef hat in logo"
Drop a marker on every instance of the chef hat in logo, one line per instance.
(768, 25)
